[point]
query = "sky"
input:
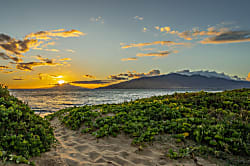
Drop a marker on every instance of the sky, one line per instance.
(93, 43)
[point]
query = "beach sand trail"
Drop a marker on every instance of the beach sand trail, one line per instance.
(77, 149)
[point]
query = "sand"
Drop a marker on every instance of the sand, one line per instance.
(77, 149)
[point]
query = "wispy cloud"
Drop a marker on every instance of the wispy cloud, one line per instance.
(65, 59)
(18, 78)
(156, 54)
(168, 43)
(9, 57)
(138, 18)
(129, 59)
(46, 35)
(43, 62)
(70, 50)
(98, 19)
(228, 37)
(89, 76)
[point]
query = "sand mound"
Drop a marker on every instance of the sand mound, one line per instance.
(75, 149)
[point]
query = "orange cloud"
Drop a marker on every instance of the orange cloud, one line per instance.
(46, 35)
(65, 59)
(168, 43)
(248, 77)
(129, 59)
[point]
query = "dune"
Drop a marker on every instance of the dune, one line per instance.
(76, 149)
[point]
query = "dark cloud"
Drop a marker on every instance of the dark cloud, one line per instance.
(29, 65)
(5, 38)
(89, 76)
(18, 79)
(16, 46)
(4, 67)
(115, 77)
(9, 57)
(156, 54)
(228, 37)
(131, 75)
(93, 82)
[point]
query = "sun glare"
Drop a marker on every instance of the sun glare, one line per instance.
(60, 82)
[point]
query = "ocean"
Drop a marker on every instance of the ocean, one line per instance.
(44, 101)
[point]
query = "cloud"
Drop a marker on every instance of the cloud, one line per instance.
(9, 57)
(93, 82)
(16, 46)
(89, 76)
(18, 79)
(98, 19)
(248, 77)
(43, 76)
(115, 77)
(43, 62)
(168, 43)
(138, 18)
(129, 59)
(70, 50)
(134, 74)
(209, 74)
(228, 37)
(46, 35)
(156, 54)
(65, 59)
(194, 33)
(15, 49)
(52, 50)
(4, 67)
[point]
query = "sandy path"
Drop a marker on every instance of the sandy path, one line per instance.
(76, 149)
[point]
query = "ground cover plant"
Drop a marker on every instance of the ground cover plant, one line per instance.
(23, 134)
(217, 122)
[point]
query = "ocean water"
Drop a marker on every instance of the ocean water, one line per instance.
(44, 101)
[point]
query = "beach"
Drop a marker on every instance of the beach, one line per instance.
(74, 148)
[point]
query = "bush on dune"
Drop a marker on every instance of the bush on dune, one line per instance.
(217, 122)
(23, 134)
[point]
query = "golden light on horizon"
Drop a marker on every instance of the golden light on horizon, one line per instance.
(60, 82)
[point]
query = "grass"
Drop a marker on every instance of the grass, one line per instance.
(23, 134)
(217, 122)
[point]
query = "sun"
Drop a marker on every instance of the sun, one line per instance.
(60, 82)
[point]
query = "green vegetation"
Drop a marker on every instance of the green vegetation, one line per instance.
(23, 134)
(217, 122)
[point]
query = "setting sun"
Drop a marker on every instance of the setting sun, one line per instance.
(60, 82)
